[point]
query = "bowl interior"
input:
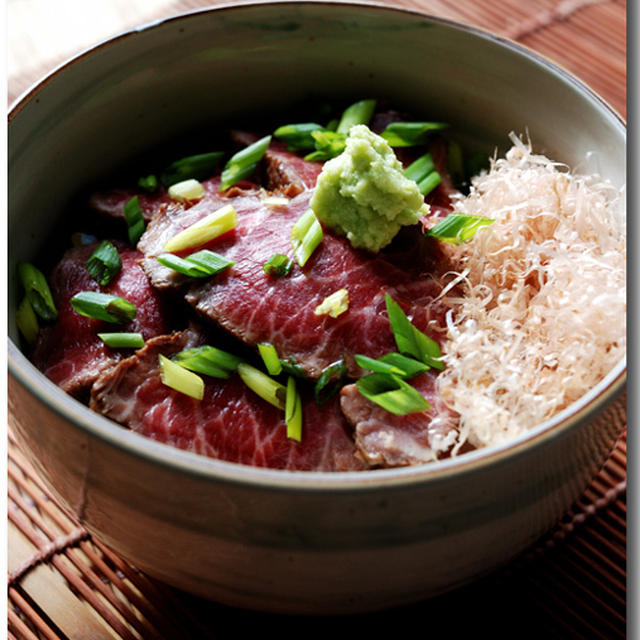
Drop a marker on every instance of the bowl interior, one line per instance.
(213, 67)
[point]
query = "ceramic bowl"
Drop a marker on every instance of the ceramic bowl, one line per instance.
(274, 540)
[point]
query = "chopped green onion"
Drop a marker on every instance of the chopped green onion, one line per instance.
(428, 184)
(329, 144)
(200, 365)
(37, 291)
(376, 365)
(332, 125)
(330, 381)
(290, 400)
(393, 363)
(135, 220)
(326, 142)
(202, 264)
(410, 340)
(243, 164)
(252, 153)
(420, 168)
(392, 393)
(180, 379)
(409, 134)
(358, 113)
(201, 232)
(181, 265)
(293, 411)
(457, 228)
(122, 340)
(27, 321)
(331, 141)
(103, 306)
(292, 368)
(306, 235)
(264, 386)
(270, 358)
(278, 265)
(199, 167)
(104, 264)
(186, 191)
(297, 136)
(209, 361)
(333, 305)
(410, 367)
(148, 183)
(210, 261)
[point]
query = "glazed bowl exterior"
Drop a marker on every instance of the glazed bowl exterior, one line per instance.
(275, 540)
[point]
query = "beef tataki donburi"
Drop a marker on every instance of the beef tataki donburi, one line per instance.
(343, 296)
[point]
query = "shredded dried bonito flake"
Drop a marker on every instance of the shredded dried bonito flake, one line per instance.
(542, 317)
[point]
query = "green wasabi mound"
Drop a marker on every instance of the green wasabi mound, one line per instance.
(363, 193)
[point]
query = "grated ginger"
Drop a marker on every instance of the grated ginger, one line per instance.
(542, 315)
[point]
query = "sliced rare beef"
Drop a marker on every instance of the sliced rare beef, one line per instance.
(284, 171)
(287, 172)
(111, 202)
(230, 423)
(441, 197)
(256, 307)
(248, 203)
(382, 118)
(69, 352)
(388, 440)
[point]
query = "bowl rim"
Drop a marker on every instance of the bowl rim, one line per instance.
(153, 452)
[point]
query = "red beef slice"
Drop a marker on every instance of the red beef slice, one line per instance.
(69, 352)
(230, 423)
(256, 307)
(389, 440)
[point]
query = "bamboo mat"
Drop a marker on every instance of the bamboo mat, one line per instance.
(64, 584)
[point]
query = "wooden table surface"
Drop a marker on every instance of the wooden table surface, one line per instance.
(588, 37)
(570, 585)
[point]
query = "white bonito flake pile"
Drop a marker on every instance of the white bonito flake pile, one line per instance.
(542, 315)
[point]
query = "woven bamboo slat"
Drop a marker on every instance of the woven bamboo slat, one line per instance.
(65, 585)
(68, 585)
